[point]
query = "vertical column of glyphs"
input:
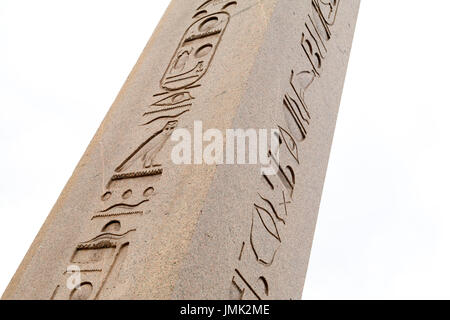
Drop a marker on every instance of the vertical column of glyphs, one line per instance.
(96, 262)
(270, 211)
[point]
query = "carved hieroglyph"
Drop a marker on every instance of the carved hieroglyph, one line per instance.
(131, 224)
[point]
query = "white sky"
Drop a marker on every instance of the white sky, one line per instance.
(384, 224)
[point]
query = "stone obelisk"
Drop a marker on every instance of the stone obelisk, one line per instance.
(132, 224)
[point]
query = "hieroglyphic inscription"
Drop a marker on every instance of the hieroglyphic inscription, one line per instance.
(269, 214)
(195, 52)
(127, 194)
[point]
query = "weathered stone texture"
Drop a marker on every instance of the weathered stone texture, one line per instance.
(141, 227)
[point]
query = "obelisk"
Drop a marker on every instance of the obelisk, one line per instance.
(131, 223)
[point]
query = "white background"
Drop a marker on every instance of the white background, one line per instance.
(384, 225)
